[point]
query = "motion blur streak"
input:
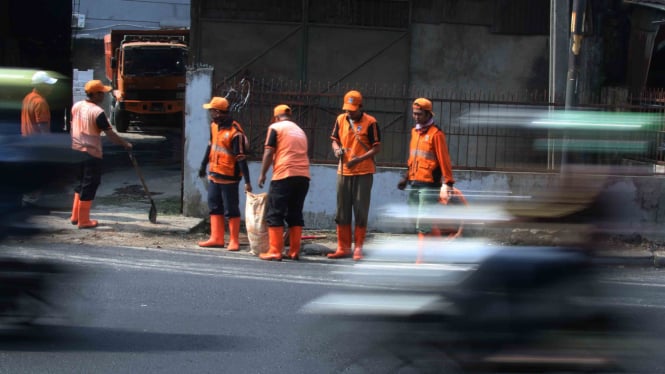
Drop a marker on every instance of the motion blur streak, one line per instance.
(31, 290)
(560, 119)
(482, 306)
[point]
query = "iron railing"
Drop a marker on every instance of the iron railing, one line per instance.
(486, 131)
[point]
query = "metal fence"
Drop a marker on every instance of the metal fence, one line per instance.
(486, 131)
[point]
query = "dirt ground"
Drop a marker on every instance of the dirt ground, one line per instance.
(110, 234)
(123, 216)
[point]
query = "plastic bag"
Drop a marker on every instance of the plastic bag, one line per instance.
(255, 223)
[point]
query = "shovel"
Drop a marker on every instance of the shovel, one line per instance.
(152, 215)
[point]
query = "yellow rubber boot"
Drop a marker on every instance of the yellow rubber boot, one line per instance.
(74, 219)
(84, 221)
(216, 232)
(276, 239)
(343, 242)
(234, 234)
(295, 235)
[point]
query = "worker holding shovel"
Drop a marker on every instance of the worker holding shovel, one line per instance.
(88, 123)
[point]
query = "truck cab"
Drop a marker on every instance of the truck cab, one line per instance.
(147, 70)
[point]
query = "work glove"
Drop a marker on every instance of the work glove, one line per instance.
(401, 185)
(202, 172)
(445, 193)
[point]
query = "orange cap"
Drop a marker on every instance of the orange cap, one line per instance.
(218, 103)
(423, 104)
(281, 109)
(352, 100)
(96, 86)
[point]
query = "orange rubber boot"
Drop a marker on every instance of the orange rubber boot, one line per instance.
(234, 234)
(295, 235)
(421, 248)
(74, 219)
(216, 232)
(276, 239)
(343, 242)
(359, 240)
(84, 221)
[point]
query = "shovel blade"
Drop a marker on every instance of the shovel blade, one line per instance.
(152, 215)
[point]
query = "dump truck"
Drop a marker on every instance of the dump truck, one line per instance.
(147, 71)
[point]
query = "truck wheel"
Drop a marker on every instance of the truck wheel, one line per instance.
(120, 119)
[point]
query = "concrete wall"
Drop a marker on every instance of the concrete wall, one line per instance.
(195, 138)
(466, 58)
(630, 204)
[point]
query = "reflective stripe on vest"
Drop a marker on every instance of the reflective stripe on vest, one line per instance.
(422, 158)
(222, 161)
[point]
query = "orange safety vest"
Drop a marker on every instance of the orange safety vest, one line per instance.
(290, 158)
(356, 142)
(34, 110)
(222, 160)
(86, 136)
(428, 157)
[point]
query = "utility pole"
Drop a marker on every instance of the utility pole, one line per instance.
(577, 16)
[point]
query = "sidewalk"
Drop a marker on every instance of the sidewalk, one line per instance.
(122, 209)
(121, 203)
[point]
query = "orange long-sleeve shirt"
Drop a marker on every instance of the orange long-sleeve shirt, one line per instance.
(429, 160)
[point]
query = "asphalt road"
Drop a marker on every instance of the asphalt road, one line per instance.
(175, 312)
(167, 311)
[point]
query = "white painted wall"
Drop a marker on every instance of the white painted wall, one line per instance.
(196, 137)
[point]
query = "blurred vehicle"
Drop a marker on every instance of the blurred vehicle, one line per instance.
(27, 164)
(30, 291)
(147, 70)
(479, 306)
(473, 304)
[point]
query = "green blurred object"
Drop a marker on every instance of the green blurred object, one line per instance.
(590, 120)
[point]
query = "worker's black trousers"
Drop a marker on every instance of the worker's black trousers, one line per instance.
(90, 176)
(223, 198)
(286, 198)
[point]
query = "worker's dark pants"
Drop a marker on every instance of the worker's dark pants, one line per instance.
(353, 196)
(223, 199)
(423, 197)
(286, 198)
(90, 176)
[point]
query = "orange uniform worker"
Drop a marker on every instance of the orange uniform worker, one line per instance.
(356, 139)
(35, 111)
(226, 157)
(88, 122)
(286, 150)
(430, 172)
